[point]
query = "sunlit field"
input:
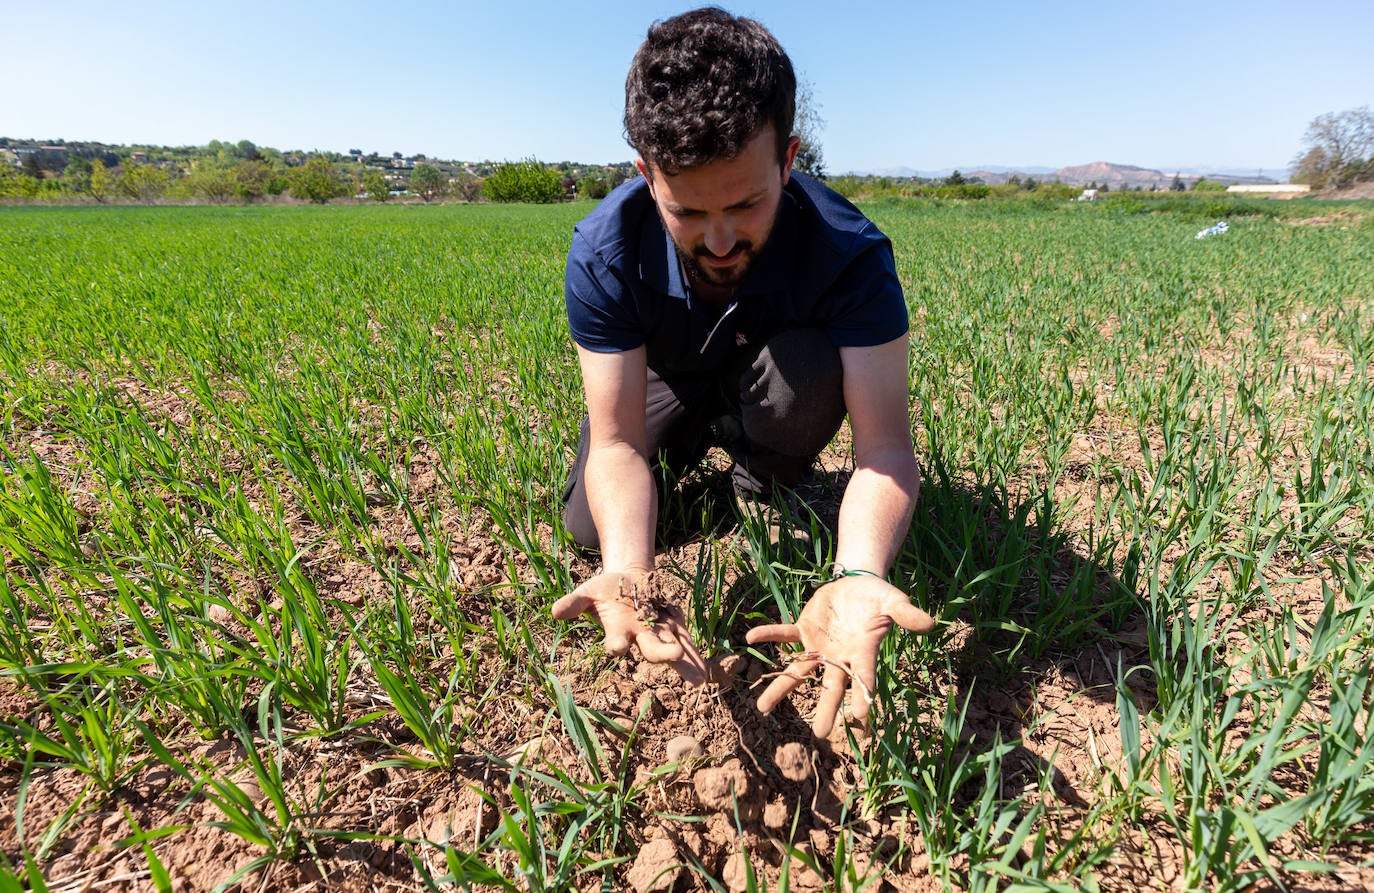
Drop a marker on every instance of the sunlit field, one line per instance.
(279, 516)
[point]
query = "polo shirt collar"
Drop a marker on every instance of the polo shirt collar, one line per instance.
(659, 267)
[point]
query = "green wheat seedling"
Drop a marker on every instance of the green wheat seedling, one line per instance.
(457, 637)
(1196, 762)
(576, 828)
(157, 871)
(781, 569)
(713, 610)
(466, 870)
(38, 524)
(541, 863)
(1008, 566)
(610, 802)
(843, 874)
(270, 817)
(185, 667)
(295, 646)
(91, 731)
(519, 524)
(324, 473)
(580, 725)
(429, 568)
(433, 721)
(428, 705)
(296, 655)
(21, 645)
(1343, 776)
(34, 855)
(1345, 763)
(927, 772)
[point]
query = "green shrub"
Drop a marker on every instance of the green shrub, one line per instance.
(428, 182)
(964, 191)
(1126, 204)
(143, 182)
(1060, 192)
(847, 186)
(14, 184)
(524, 181)
(593, 188)
(318, 181)
(376, 186)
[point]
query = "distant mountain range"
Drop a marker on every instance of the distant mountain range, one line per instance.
(1113, 175)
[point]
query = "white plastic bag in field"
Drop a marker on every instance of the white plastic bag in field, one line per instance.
(1215, 229)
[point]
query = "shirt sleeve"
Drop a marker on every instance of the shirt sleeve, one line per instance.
(601, 313)
(866, 306)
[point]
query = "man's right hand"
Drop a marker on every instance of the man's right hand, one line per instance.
(661, 633)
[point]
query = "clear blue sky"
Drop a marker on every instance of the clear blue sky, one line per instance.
(1169, 85)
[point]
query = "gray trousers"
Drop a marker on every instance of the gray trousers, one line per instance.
(773, 411)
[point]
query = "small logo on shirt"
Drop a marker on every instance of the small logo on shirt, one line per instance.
(740, 340)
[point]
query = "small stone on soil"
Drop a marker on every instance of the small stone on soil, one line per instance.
(441, 829)
(804, 879)
(736, 876)
(251, 789)
(684, 748)
(647, 706)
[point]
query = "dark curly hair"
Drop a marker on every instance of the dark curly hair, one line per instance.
(702, 84)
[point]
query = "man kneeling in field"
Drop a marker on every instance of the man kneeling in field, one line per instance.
(723, 285)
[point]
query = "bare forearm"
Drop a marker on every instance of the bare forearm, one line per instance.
(624, 506)
(876, 512)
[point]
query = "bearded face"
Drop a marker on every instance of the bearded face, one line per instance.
(720, 214)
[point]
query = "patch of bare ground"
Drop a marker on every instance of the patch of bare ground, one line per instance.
(1354, 191)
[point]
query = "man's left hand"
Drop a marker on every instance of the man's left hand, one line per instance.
(840, 629)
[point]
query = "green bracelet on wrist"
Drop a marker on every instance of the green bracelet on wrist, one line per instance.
(838, 570)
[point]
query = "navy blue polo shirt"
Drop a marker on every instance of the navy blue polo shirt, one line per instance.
(825, 266)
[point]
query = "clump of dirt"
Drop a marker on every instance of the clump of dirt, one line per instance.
(655, 595)
(657, 867)
(720, 788)
(794, 761)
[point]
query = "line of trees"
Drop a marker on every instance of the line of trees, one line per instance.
(958, 187)
(1339, 151)
(221, 173)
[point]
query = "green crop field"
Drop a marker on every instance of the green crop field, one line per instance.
(279, 516)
